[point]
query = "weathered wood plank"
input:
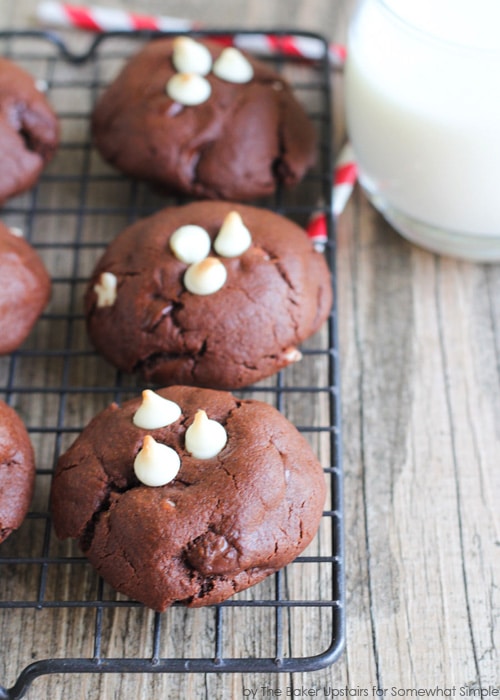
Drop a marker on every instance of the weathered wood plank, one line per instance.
(420, 359)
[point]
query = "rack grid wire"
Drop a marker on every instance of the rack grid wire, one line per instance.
(294, 620)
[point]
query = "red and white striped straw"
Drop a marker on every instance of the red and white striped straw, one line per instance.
(101, 19)
(344, 179)
(306, 47)
(104, 19)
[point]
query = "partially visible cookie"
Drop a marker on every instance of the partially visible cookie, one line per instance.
(17, 471)
(204, 120)
(208, 294)
(29, 130)
(188, 495)
(25, 289)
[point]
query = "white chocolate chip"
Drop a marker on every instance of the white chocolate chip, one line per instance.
(233, 66)
(191, 57)
(188, 89)
(16, 231)
(156, 464)
(41, 85)
(292, 355)
(205, 277)
(190, 243)
(205, 438)
(106, 289)
(155, 411)
(233, 238)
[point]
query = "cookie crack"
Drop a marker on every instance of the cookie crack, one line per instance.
(17, 121)
(280, 168)
(11, 463)
(283, 274)
(87, 536)
(149, 363)
(5, 532)
(291, 298)
(210, 190)
(293, 304)
(27, 140)
(29, 124)
(232, 477)
(161, 315)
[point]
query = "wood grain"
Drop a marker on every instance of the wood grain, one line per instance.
(420, 371)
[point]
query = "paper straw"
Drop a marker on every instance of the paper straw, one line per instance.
(344, 179)
(317, 231)
(101, 19)
(306, 47)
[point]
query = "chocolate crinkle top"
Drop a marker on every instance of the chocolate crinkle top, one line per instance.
(276, 293)
(17, 471)
(238, 143)
(29, 130)
(24, 290)
(222, 524)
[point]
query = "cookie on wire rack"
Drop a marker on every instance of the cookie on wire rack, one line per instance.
(188, 495)
(29, 130)
(25, 288)
(17, 471)
(205, 120)
(208, 294)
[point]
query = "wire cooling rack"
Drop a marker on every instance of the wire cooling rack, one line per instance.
(55, 612)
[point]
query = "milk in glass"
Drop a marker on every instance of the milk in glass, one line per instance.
(423, 114)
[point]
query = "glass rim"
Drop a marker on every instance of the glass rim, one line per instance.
(428, 35)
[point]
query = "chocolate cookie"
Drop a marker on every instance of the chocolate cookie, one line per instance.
(29, 130)
(17, 471)
(25, 289)
(197, 118)
(188, 495)
(208, 294)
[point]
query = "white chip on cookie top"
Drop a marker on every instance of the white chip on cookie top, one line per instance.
(190, 243)
(233, 238)
(191, 57)
(106, 289)
(16, 231)
(205, 277)
(155, 411)
(156, 464)
(205, 438)
(188, 89)
(232, 66)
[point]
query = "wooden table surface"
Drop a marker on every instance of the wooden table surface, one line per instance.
(420, 377)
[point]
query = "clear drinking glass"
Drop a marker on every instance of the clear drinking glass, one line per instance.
(422, 84)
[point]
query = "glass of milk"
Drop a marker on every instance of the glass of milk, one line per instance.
(422, 87)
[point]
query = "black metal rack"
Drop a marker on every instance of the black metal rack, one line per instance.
(56, 383)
